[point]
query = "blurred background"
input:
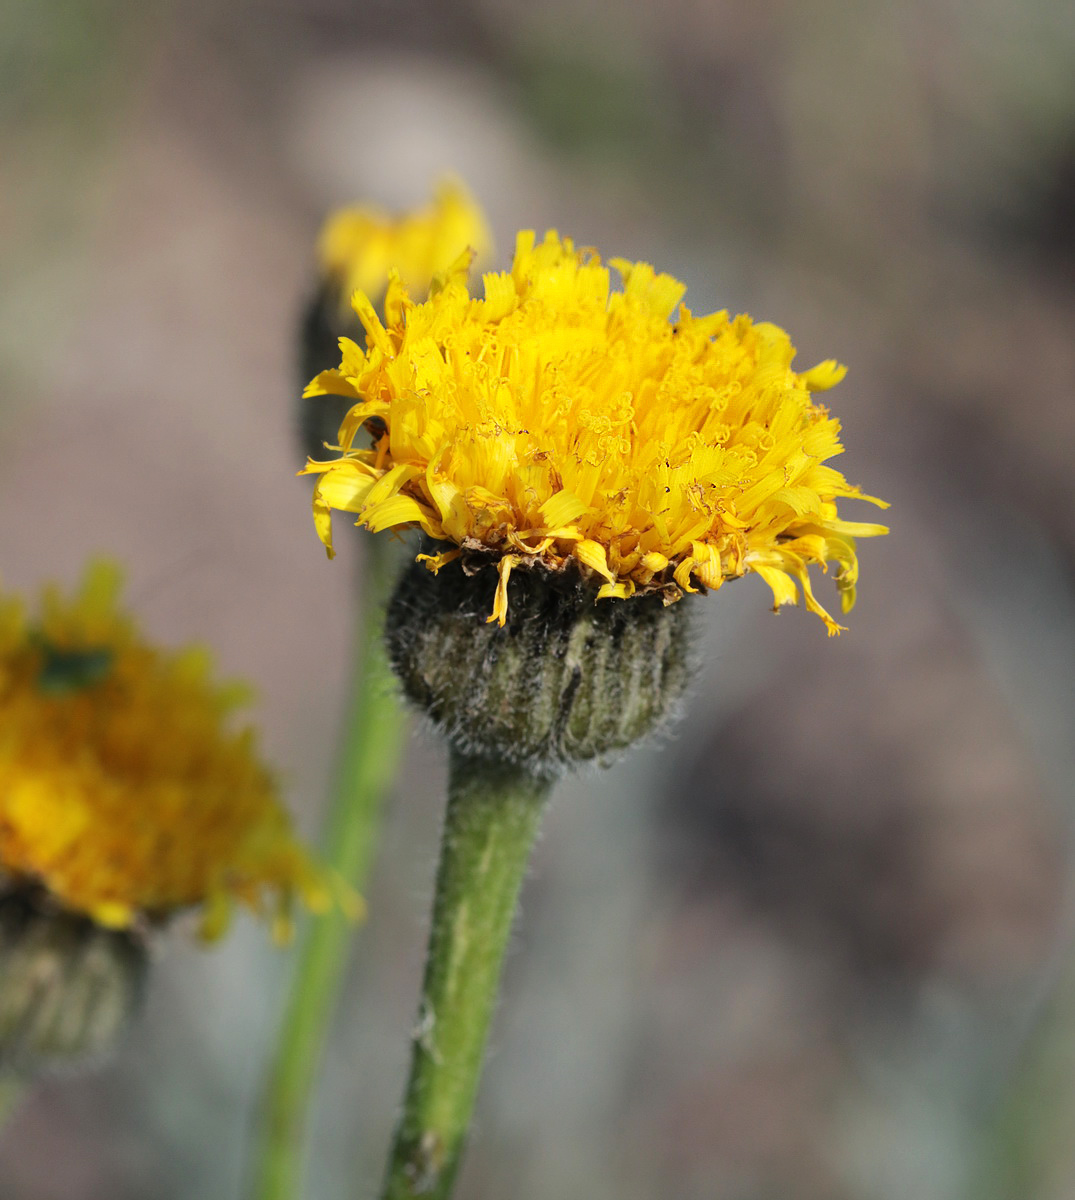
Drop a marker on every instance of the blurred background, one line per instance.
(818, 944)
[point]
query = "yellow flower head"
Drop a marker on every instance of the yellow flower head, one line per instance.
(555, 422)
(122, 790)
(358, 246)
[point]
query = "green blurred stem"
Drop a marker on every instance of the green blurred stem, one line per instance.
(491, 822)
(12, 1090)
(369, 757)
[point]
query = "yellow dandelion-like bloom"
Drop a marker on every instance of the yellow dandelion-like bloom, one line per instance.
(123, 791)
(358, 246)
(555, 422)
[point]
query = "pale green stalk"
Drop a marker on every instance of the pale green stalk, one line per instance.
(12, 1090)
(370, 754)
(491, 822)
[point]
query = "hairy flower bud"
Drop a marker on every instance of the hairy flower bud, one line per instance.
(565, 680)
(68, 987)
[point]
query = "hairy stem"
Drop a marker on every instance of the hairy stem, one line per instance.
(492, 819)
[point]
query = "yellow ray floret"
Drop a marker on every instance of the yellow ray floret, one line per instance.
(123, 790)
(557, 422)
(358, 246)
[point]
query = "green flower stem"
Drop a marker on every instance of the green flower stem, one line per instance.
(370, 754)
(12, 1090)
(492, 819)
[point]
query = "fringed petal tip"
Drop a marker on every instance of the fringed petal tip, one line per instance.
(786, 573)
(825, 375)
(319, 890)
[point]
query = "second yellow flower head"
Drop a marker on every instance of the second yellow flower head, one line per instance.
(124, 792)
(358, 246)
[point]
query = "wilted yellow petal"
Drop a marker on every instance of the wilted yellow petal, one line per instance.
(594, 556)
(500, 602)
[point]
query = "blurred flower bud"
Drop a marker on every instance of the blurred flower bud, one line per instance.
(68, 987)
(357, 249)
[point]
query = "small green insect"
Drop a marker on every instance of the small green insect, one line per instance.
(63, 671)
